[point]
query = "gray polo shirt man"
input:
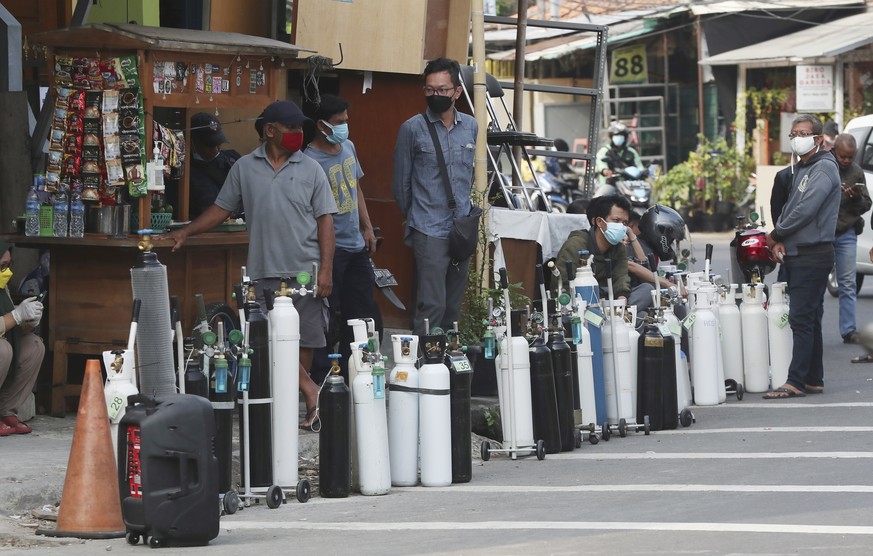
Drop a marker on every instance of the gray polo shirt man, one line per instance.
(281, 208)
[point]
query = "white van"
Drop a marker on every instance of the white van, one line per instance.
(862, 129)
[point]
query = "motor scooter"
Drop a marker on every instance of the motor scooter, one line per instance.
(632, 183)
(752, 255)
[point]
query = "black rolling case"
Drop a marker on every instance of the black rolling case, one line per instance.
(168, 471)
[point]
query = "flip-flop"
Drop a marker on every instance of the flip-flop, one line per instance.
(783, 393)
(866, 358)
(310, 413)
(813, 389)
(17, 426)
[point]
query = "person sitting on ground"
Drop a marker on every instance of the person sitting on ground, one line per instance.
(21, 351)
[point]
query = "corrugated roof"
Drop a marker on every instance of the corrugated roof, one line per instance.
(164, 38)
(824, 40)
(730, 6)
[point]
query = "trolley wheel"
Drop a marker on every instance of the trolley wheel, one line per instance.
(133, 538)
(730, 384)
(685, 417)
(485, 450)
(578, 438)
(303, 491)
(605, 432)
(155, 542)
(274, 497)
(740, 392)
(622, 428)
(647, 427)
(230, 502)
(592, 438)
(541, 450)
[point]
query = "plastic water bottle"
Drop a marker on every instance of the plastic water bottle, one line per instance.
(77, 215)
(61, 210)
(31, 209)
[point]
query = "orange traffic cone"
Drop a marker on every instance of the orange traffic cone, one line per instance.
(90, 504)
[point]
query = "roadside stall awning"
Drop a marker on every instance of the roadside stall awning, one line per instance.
(819, 42)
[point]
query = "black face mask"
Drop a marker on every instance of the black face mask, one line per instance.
(438, 104)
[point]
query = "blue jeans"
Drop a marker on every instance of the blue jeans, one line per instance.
(807, 283)
(844, 251)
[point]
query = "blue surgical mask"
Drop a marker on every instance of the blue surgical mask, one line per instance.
(340, 133)
(615, 232)
(618, 140)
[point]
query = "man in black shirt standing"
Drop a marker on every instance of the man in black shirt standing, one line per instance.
(209, 164)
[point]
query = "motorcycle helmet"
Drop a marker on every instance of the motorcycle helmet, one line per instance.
(617, 128)
(661, 227)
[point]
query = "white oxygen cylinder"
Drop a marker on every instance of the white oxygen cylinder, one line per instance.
(520, 406)
(756, 364)
(119, 385)
(285, 380)
(683, 382)
(616, 370)
(435, 415)
(633, 341)
(704, 370)
(731, 334)
(585, 366)
(403, 412)
(712, 292)
(371, 428)
(121, 381)
(359, 333)
(780, 335)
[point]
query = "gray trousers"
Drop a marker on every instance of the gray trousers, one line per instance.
(440, 284)
(15, 390)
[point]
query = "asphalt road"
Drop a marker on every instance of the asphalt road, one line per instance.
(749, 477)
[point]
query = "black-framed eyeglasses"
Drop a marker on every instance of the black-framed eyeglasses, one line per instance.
(441, 92)
(802, 134)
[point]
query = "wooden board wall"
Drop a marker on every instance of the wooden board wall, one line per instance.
(374, 119)
(40, 15)
(251, 17)
(377, 35)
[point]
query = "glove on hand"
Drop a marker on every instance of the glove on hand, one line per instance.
(29, 309)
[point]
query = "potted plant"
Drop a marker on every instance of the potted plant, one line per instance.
(705, 188)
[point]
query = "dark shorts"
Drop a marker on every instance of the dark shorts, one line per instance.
(312, 310)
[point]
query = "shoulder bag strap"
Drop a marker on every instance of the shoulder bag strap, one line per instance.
(444, 172)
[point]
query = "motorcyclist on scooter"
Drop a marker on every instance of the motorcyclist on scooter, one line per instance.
(615, 157)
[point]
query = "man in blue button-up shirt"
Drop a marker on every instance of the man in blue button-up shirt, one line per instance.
(421, 194)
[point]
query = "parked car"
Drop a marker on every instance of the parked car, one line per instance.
(862, 129)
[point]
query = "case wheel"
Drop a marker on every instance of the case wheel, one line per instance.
(303, 491)
(230, 502)
(274, 497)
(133, 538)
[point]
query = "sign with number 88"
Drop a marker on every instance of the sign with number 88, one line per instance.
(629, 65)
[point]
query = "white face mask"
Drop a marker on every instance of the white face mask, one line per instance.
(802, 145)
(618, 140)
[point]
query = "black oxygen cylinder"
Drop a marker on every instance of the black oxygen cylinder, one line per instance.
(544, 401)
(195, 380)
(223, 405)
(260, 414)
(656, 392)
(574, 361)
(334, 438)
(460, 383)
(562, 367)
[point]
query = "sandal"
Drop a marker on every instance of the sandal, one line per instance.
(17, 426)
(813, 389)
(5, 430)
(312, 417)
(784, 392)
(866, 358)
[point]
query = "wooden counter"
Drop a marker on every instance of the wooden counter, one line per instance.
(90, 292)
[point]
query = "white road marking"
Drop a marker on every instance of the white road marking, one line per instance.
(781, 405)
(498, 489)
(693, 430)
(716, 455)
(418, 526)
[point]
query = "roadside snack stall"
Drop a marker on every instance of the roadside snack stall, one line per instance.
(122, 97)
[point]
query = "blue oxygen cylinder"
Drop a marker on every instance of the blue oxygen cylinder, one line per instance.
(585, 285)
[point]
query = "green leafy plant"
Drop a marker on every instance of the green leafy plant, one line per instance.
(715, 172)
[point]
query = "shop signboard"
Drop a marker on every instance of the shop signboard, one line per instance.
(629, 65)
(815, 88)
